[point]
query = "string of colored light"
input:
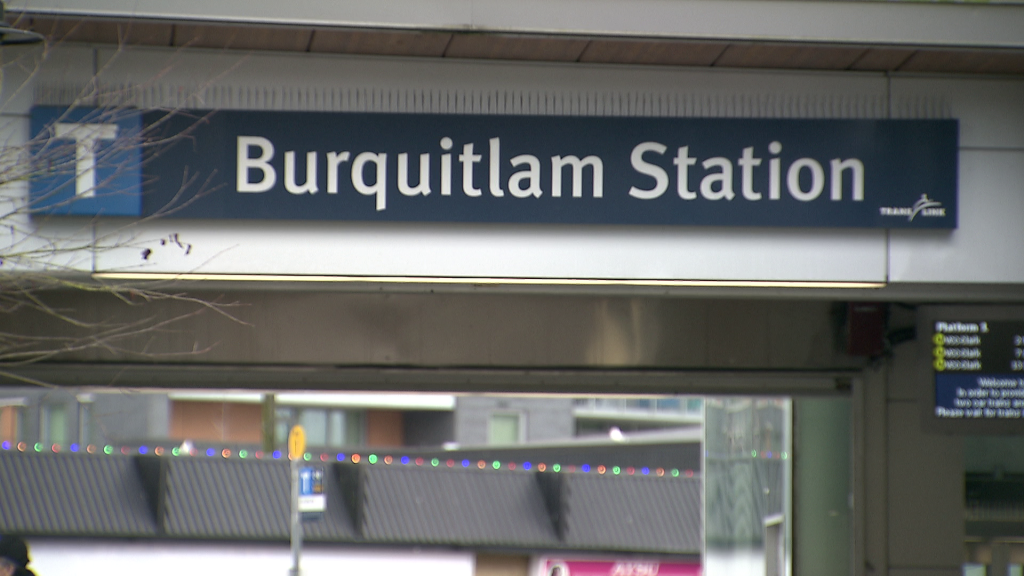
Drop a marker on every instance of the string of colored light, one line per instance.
(373, 459)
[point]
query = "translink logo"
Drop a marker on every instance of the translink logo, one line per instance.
(924, 207)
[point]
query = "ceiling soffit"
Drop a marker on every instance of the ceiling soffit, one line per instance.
(526, 47)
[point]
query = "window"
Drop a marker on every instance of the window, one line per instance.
(85, 414)
(282, 425)
(314, 420)
(10, 423)
(53, 424)
(336, 428)
(504, 428)
(324, 427)
(85, 422)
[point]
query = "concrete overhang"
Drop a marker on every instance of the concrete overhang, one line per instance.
(778, 34)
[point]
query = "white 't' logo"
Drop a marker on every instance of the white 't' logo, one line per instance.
(85, 136)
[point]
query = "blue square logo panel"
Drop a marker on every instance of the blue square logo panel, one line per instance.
(85, 161)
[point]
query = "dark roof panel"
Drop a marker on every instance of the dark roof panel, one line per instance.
(226, 499)
(336, 524)
(236, 499)
(71, 494)
(467, 507)
(635, 514)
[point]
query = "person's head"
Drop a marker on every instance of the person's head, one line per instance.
(13, 557)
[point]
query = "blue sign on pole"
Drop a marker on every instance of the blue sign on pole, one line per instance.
(554, 170)
(312, 500)
(306, 482)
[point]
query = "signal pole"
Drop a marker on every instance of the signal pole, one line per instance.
(296, 449)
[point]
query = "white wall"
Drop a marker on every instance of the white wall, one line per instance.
(912, 491)
(112, 558)
(987, 245)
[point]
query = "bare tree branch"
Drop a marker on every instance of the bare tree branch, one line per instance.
(39, 269)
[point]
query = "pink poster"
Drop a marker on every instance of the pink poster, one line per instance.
(558, 567)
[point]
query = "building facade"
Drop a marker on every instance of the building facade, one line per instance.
(580, 301)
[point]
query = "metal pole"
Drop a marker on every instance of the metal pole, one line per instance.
(296, 529)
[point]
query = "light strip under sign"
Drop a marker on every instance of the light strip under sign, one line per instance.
(192, 276)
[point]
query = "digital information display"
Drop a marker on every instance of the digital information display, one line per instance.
(979, 370)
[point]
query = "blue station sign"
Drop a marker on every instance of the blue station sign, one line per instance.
(549, 170)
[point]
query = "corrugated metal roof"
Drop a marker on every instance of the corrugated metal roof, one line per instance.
(70, 494)
(227, 499)
(222, 499)
(634, 513)
(238, 499)
(337, 523)
(470, 507)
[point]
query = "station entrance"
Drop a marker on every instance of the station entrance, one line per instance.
(755, 402)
